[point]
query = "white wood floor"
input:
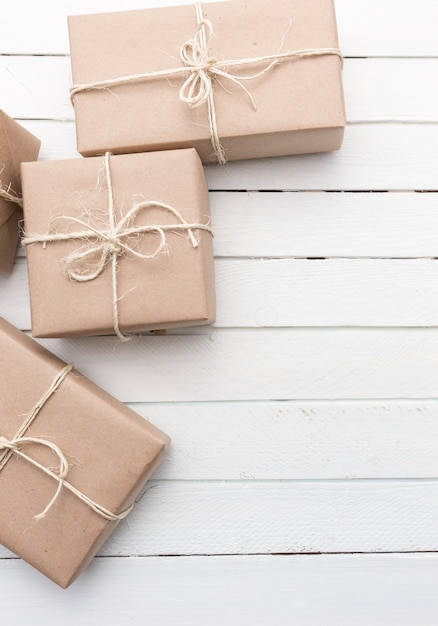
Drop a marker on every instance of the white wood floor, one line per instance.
(302, 483)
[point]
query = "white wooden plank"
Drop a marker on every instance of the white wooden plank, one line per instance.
(332, 292)
(58, 139)
(394, 89)
(36, 87)
(302, 441)
(254, 293)
(383, 590)
(366, 27)
(319, 224)
(325, 224)
(51, 37)
(389, 28)
(261, 364)
(375, 89)
(377, 157)
(291, 453)
(280, 517)
(373, 157)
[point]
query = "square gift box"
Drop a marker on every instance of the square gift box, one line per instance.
(72, 459)
(257, 78)
(118, 244)
(16, 145)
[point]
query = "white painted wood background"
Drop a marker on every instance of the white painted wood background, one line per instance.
(302, 484)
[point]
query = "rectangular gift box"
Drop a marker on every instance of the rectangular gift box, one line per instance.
(111, 451)
(299, 102)
(174, 287)
(16, 145)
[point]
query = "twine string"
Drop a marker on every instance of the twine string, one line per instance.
(15, 445)
(57, 381)
(203, 70)
(107, 245)
(10, 196)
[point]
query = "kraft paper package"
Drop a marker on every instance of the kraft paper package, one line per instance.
(118, 244)
(16, 145)
(72, 459)
(236, 80)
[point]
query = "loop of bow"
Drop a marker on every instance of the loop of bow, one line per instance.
(88, 262)
(14, 447)
(195, 55)
(197, 89)
(58, 474)
(106, 245)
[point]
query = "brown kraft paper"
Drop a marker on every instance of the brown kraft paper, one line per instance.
(111, 452)
(300, 104)
(176, 288)
(16, 145)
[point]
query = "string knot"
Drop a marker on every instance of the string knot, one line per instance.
(105, 246)
(195, 54)
(9, 195)
(115, 245)
(16, 445)
(203, 68)
(5, 444)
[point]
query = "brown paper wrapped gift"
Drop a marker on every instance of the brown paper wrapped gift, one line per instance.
(111, 451)
(299, 101)
(113, 278)
(16, 145)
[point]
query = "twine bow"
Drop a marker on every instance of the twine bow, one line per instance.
(105, 246)
(15, 445)
(202, 70)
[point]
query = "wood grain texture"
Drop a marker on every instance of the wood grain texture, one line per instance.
(296, 440)
(181, 518)
(373, 157)
(286, 438)
(375, 89)
(318, 224)
(281, 517)
(389, 28)
(280, 293)
(282, 364)
(383, 590)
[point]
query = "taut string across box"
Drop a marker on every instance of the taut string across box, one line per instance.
(109, 244)
(15, 445)
(202, 68)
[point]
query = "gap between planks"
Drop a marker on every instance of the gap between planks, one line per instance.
(373, 157)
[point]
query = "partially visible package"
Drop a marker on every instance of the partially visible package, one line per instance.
(73, 459)
(16, 146)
